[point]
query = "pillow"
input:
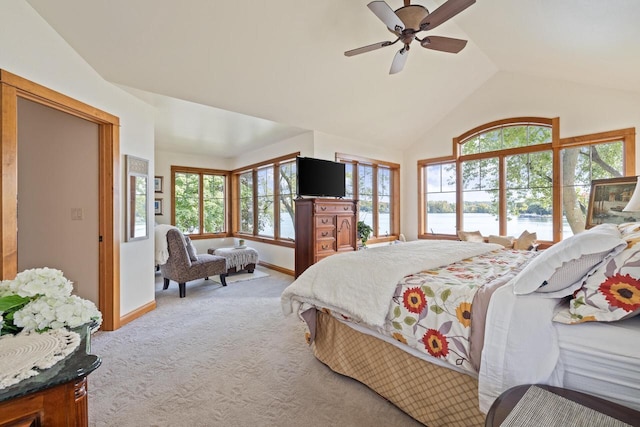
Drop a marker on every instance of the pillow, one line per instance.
(470, 236)
(572, 272)
(598, 240)
(525, 241)
(506, 241)
(612, 292)
(628, 227)
(191, 250)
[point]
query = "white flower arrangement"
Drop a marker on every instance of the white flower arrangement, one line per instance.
(40, 299)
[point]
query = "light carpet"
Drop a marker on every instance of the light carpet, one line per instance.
(241, 277)
(224, 356)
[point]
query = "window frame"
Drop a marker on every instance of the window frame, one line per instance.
(557, 144)
(227, 199)
(394, 188)
(235, 191)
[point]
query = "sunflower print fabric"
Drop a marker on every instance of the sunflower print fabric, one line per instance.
(431, 310)
(612, 292)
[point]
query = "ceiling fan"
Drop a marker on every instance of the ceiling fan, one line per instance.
(408, 21)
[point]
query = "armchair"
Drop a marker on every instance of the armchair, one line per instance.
(180, 268)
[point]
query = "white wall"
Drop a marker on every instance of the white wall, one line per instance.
(30, 48)
(582, 110)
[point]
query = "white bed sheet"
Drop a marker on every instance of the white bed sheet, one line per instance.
(602, 359)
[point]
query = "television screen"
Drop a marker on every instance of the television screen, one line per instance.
(322, 178)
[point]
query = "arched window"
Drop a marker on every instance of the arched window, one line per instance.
(513, 175)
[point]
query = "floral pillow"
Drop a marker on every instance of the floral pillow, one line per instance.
(612, 292)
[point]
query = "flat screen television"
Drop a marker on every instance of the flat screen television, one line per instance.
(320, 178)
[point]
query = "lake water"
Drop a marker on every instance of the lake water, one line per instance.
(444, 223)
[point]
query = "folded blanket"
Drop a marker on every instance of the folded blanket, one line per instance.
(361, 283)
(162, 247)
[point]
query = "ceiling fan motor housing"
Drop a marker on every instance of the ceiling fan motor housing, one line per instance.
(411, 16)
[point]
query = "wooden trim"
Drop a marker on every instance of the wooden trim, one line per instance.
(514, 121)
(596, 138)
(364, 160)
(57, 100)
(276, 268)
(9, 183)
(421, 200)
(506, 152)
(12, 87)
(281, 159)
(288, 243)
(436, 161)
(558, 188)
(138, 312)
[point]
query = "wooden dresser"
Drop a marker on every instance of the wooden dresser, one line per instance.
(324, 227)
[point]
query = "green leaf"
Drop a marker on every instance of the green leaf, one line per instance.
(436, 309)
(14, 302)
(428, 291)
(445, 294)
(397, 325)
(409, 320)
(397, 312)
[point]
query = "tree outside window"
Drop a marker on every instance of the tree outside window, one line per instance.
(374, 183)
(199, 200)
(265, 199)
(506, 180)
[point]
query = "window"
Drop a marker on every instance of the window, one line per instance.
(199, 201)
(265, 200)
(510, 176)
(375, 184)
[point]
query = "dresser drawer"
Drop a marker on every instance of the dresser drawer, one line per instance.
(325, 221)
(334, 208)
(325, 233)
(325, 246)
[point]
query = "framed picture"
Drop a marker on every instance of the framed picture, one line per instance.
(157, 206)
(157, 184)
(607, 200)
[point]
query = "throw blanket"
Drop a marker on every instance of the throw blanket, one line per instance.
(162, 247)
(335, 282)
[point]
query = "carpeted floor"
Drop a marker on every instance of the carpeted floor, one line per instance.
(224, 356)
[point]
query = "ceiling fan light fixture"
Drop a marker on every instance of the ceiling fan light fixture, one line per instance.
(412, 16)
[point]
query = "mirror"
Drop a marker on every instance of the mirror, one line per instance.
(137, 199)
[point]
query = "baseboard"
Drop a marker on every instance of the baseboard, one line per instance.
(276, 268)
(138, 312)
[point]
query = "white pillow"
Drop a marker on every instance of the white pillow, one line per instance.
(599, 240)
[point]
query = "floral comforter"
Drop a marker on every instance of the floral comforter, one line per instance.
(431, 311)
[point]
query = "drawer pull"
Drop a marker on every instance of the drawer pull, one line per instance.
(346, 208)
(323, 208)
(325, 233)
(325, 247)
(325, 220)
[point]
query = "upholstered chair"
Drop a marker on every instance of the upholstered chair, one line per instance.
(181, 267)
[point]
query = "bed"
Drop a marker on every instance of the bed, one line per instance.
(442, 328)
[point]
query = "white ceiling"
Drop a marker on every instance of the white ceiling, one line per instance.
(228, 77)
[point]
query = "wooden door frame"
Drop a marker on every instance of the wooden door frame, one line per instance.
(13, 87)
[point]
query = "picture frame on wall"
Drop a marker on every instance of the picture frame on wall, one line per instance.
(157, 206)
(157, 184)
(607, 200)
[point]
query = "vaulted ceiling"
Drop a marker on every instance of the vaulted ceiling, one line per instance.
(231, 76)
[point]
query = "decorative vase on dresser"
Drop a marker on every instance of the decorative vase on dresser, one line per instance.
(324, 227)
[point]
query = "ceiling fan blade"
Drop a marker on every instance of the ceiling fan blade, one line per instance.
(399, 60)
(443, 44)
(386, 15)
(368, 48)
(445, 12)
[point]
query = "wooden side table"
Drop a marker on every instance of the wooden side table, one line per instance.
(505, 403)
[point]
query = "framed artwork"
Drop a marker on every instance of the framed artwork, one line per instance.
(157, 206)
(157, 184)
(607, 200)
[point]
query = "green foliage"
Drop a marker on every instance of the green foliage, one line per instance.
(364, 231)
(529, 176)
